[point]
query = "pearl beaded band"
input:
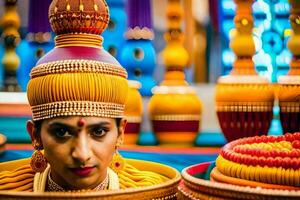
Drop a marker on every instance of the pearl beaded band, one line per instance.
(80, 108)
(72, 66)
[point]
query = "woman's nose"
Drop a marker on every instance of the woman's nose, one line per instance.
(82, 149)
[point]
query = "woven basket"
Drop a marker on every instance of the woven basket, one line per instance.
(195, 186)
(167, 190)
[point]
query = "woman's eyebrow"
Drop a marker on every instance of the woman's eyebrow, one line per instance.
(63, 125)
(60, 124)
(99, 124)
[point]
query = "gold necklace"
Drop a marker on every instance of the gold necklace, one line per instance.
(54, 187)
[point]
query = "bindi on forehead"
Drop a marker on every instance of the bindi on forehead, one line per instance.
(81, 122)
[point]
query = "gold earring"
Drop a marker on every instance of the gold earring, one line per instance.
(118, 162)
(38, 161)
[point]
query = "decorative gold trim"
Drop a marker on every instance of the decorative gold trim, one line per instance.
(138, 33)
(186, 194)
(173, 90)
(134, 84)
(289, 107)
(85, 40)
(133, 119)
(244, 106)
(79, 21)
(243, 79)
(176, 117)
(39, 37)
(289, 79)
(73, 108)
(73, 66)
(123, 194)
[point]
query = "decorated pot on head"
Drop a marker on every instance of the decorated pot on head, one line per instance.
(77, 94)
(133, 112)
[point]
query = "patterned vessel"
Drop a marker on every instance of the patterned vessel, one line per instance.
(138, 54)
(38, 40)
(289, 89)
(10, 60)
(270, 162)
(195, 185)
(114, 34)
(244, 100)
(166, 190)
(133, 113)
(175, 109)
(259, 167)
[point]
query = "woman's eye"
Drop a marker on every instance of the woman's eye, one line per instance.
(62, 132)
(99, 132)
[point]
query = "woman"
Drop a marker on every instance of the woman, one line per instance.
(77, 94)
(79, 151)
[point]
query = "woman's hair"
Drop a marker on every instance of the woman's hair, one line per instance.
(38, 124)
(118, 121)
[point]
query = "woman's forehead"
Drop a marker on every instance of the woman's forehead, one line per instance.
(76, 120)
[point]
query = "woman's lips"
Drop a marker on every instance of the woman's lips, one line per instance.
(85, 171)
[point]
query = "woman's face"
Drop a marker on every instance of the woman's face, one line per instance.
(79, 149)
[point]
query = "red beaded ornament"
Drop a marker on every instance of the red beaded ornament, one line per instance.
(38, 161)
